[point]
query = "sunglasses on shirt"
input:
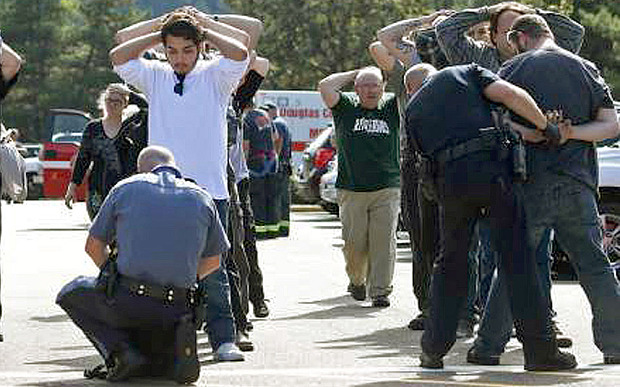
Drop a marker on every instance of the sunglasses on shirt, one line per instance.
(178, 87)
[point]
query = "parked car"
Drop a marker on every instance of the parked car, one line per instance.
(314, 164)
(34, 169)
(327, 188)
(64, 128)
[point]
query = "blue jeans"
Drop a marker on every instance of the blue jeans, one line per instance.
(220, 324)
(569, 208)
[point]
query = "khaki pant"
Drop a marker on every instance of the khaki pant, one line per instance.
(369, 221)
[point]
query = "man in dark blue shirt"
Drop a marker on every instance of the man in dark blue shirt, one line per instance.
(563, 180)
(169, 236)
(449, 119)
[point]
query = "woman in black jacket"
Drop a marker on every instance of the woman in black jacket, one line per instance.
(110, 146)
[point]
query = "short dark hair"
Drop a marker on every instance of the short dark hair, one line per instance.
(182, 25)
(534, 26)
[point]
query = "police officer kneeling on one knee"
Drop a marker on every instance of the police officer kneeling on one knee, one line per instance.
(471, 162)
(141, 317)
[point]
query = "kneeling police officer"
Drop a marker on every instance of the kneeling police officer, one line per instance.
(140, 317)
(472, 162)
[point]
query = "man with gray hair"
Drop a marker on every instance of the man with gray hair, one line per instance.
(367, 134)
(140, 312)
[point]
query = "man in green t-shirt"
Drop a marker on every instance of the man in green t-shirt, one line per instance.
(367, 135)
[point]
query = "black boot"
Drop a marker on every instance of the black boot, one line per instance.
(545, 356)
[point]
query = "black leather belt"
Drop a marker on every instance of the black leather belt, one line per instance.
(166, 294)
(490, 140)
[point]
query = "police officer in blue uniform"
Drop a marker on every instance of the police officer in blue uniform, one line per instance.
(169, 236)
(471, 162)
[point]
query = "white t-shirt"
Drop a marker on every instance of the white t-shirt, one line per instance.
(192, 126)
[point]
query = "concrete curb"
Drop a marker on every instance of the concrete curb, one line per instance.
(306, 208)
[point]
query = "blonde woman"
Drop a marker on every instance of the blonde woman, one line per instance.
(111, 145)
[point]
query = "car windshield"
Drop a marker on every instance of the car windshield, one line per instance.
(67, 127)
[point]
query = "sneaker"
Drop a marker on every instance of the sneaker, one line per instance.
(475, 357)
(465, 329)
(562, 340)
(380, 302)
(559, 361)
(243, 342)
(431, 362)
(228, 352)
(417, 324)
(260, 309)
(358, 292)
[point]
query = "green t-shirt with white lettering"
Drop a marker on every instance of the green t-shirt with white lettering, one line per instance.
(368, 144)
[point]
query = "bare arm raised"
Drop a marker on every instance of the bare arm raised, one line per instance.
(10, 62)
(330, 86)
(393, 36)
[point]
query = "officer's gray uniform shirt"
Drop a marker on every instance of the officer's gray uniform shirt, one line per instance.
(163, 225)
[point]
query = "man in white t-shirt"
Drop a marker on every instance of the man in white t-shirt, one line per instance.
(188, 97)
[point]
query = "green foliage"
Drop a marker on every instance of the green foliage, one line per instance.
(306, 40)
(65, 47)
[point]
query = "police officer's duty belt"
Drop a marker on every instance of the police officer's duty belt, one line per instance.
(488, 140)
(166, 294)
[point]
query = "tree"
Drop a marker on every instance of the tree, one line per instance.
(65, 46)
(306, 40)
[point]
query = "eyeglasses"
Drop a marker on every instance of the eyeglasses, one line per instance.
(178, 87)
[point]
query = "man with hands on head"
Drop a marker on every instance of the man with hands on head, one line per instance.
(188, 97)
(367, 134)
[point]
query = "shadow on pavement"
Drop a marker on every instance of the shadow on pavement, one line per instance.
(349, 310)
(71, 363)
(485, 378)
(328, 301)
(390, 342)
(54, 229)
(51, 319)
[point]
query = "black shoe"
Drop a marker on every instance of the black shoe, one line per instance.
(249, 327)
(612, 359)
(243, 342)
(260, 309)
(358, 292)
(417, 324)
(559, 361)
(380, 302)
(562, 340)
(125, 364)
(465, 329)
(474, 357)
(432, 362)
(1, 337)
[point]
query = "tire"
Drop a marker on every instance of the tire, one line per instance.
(35, 191)
(609, 213)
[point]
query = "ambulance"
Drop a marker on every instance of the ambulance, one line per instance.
(305, 113)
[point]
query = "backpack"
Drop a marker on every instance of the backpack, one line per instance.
(13, 171)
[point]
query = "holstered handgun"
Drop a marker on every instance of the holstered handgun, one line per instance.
(109, 276)
(515, 144)
(427, 179)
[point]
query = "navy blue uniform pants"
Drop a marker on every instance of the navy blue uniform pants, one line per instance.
(466, 186)
(141, 323)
